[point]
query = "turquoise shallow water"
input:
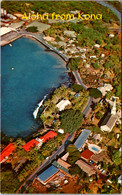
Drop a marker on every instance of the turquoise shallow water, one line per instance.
(35, 73)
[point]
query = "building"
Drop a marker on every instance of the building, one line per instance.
(70, 33)
(6, 152)
(105, 88)
(16, 25)
(79, 143)
(48, 174)
(27, 147)
(61, 131)
(65, 157)
(86, 154)
(98, 157)
(97, 137)
(85, 167)
(48, 136)
(63, 163)
(109, 122)
(62, 104)
(4, 30)
(62, 167)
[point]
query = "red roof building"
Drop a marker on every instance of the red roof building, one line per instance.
(86, 154)
(48, 136)
(6, 152)
(30, 145)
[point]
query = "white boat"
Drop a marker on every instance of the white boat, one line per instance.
(10, 45)
(12, 68)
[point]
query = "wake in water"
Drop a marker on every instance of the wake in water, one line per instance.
(35, 113)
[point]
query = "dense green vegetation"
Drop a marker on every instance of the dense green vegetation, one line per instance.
(41, 7)
(71, 120)
(51, 111)
(95, 93)
(76, 88)
(32, 29)
(9, 182)
(95, 65)
(73, 63)
(74, 154)
(115, 4)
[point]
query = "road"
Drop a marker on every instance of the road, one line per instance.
(78, 79)
(86, 110)
(47, 162)
(41, 40)
(117, 13)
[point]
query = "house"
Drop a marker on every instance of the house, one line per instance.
(102, 55)
(109, 122)
(81, 139)
(97, 45)
(85, 167)
(63, 168)
(48, 38)
(111, 35)
(6, 152)
(70, 33)
(86, 154)
(48, 174)
(48, 136)
(62, 104)
(61, 131)
(63, 163)
(98, 157)
(27, 147)
(92, 57)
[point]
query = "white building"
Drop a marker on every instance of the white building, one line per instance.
(61, 131)
(62, 104)
(97, 45)
(69, 33)
(4, 30)
(105, 88)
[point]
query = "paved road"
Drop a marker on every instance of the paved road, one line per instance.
(40, 39)
(87, 108)
(117, 13)
(48, 161)
(79, 80)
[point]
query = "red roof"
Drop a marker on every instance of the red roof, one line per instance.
(48, 136)
(7, 151)
(87, 154)
(30, 145)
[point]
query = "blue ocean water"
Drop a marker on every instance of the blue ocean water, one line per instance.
(34, 73)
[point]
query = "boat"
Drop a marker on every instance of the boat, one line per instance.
(10, 45)
(12, 68)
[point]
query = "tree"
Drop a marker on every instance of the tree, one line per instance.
(74, 170)
(99, 115)
(74, 154)
(73, 63)
(95, 65)
(77, 88)
(32, 29)
(71, 120)
(94, 92)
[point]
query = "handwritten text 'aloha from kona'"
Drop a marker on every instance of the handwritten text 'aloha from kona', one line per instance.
(54, 16)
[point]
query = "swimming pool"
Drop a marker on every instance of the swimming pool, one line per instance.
(94, 148)
(28, 73)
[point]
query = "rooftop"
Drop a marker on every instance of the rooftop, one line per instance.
(63, 163)
(40, 26)
(85, 167)
(48, 136)
(4, 30)
(82, 138)
(16, 25)
(7, 151)
(62, 104)
(109, 121)
(49, 172)
(30, 145)
(86, 154)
